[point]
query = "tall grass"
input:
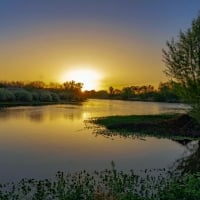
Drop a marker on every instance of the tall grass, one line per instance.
(109, 184)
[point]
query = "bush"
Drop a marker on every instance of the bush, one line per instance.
(35, 96)
(55, 97)
(6, 95)
(23, 95)
(66, 96)
(45, 96)
(2, 94)
(185, 188)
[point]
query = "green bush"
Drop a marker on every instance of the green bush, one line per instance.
(6, 95)
(45, 96)
(55, 96)
(23, 95)
(185, 188)
(35, 96)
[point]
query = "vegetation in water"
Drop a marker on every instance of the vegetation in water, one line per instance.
(163, 125)
(109, 184)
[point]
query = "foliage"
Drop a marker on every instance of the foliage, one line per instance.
(6, 95)
(22, 95)
(167, 92)
(109, 184)
(126, 93)
(71, 91)
(184, 188)
(182, 59)
(45, 96)
(164, 93)
(174, 126)
(37, 91)
(55, 97)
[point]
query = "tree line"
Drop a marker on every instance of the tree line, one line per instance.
(38, 91)
(164, 93)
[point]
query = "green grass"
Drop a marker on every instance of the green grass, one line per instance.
(110, 120)
(161, 126)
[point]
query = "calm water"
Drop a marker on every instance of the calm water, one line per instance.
(38, 141)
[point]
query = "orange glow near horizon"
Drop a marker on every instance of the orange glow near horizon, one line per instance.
(90, 78)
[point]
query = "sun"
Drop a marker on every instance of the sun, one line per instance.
(89, 78)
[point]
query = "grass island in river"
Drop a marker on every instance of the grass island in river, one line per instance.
(163, 125)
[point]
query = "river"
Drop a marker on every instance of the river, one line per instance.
(36, 142)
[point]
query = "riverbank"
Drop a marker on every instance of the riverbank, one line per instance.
(165, 125)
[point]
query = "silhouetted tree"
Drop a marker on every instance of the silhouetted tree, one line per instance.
(167, 92)
(36, 85)
(111, 91)
(73, 86)
(182, 59)
(6, 95)
(126, 92)
(23, 95)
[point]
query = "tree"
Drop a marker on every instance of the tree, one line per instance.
(166, 92)
(111, 91)
(182, 60)
(126, 92)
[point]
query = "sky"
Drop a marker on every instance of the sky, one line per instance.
(118, 42)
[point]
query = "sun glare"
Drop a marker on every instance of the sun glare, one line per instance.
(89, 78)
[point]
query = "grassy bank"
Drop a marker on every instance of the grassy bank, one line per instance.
(109, 184)
(163, 125)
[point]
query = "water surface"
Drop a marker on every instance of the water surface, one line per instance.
(36, 142)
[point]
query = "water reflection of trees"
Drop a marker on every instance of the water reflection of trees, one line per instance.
(36, 116)
(8, 114)
(191, 162)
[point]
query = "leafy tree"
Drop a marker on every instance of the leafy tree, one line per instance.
(182, 59)
(111, 91)
(23, 95)
(126, 92)
(167, 93)
(45, 96)
(6, 95)
(55, 97)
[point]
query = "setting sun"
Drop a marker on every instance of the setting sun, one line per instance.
(89, 78)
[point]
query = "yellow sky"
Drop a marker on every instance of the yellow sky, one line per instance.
(46, 53)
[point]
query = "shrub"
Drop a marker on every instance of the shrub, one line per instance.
(23, 95)
(55, 97)
(6, 95)
(45, 96)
